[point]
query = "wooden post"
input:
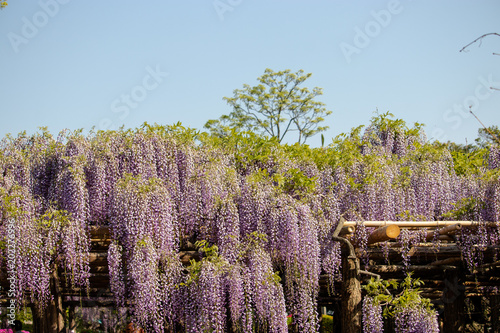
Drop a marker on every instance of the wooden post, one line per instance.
(454, 301)
(351, 289)
(384, 233)
(71, 318)
(495, 313)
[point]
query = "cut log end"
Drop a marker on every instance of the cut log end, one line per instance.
(384, 234)
(392, 231)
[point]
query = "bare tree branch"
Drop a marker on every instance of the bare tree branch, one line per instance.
(479, 39)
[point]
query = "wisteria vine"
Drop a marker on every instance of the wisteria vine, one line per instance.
(269, 209)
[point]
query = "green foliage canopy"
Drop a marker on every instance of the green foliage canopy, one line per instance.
(488, 136)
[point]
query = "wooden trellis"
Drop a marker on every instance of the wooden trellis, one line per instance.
(447, 283)
(440, 267)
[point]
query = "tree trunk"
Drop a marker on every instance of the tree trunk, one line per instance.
(51, 319)
(351, 289)
(57, 324)
(351, 296)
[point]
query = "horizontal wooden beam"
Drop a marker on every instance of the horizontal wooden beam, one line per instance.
(99, 232)
(347, 230)
(381, 269)
(447, 261)
(444, 231)
(417, 224)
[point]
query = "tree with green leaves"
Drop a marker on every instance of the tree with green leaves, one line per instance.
(488, 136)
(276, 106)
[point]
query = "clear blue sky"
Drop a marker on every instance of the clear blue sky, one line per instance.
(72, 64)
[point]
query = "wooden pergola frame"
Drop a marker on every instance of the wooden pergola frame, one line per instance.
(439, 268)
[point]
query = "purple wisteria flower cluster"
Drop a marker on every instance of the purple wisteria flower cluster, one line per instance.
(372, 316)
(414, 319)
(157, 186)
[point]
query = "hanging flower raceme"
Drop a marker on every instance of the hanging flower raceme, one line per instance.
(102, 174)
(172, 299)
(116, 273)
(415, 319)
(494, 157)
(70, 192)
(407, 239)
(206, 309)
(372, 316)
(294, 237)
(141, 224)
(143, 282)
(29, 255)
(143, 208)
(412, 313)
(263, 294)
